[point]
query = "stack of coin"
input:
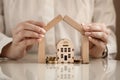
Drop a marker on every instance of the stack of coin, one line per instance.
(77, 60)
(51, 60)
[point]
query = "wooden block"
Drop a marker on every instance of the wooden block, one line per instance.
(41, 51)
(53, 22)
(85, 49)
(74, 24)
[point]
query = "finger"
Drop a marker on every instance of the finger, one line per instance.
(98, 27)
(95, 28)
(96, 42)
(31, 27)
(92, 28)
(98, 35)
(85, 28)
(28, 42)
(41, 24)
(27, 34)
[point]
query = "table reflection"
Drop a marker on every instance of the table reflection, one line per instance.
(97, 70)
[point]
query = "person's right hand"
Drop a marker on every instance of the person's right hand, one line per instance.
(24, 35)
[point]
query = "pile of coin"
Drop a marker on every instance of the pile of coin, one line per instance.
(77, 60)
(51, 60)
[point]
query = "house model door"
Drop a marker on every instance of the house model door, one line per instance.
(65, 51)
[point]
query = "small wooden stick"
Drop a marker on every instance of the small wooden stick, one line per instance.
(73, 23)
(53, 22)
(85, 49)
(41, 51)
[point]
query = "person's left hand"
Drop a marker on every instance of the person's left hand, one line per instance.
(98, 37)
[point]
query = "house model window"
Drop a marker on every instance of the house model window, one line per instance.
(65, 47)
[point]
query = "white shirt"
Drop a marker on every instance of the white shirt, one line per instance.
(12, 12)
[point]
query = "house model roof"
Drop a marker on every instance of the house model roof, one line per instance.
(68, 20)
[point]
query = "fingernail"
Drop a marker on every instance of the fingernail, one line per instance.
(90, 38)
(42, 35)
(83, 24)
(86, 28)
(43, 30)
(39, 39)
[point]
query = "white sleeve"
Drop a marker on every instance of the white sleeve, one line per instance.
(4, 40)
(104, 12)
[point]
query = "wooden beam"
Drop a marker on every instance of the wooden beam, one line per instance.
(41, 51)
(85, 49)
(74, 24)
(53, 22)
(85, 41)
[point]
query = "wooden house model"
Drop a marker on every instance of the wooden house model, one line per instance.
(69, 57)
(65, 51)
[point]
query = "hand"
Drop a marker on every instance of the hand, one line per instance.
(24, 36)
(98, 37)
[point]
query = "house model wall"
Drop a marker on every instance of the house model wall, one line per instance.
(75, 25)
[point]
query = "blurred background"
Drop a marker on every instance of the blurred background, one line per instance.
(117, 7)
